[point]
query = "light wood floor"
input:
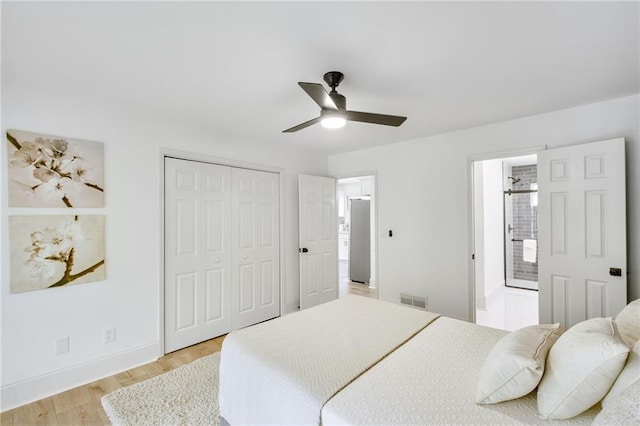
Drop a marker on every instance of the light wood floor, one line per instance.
(350, 287)
(81, 406)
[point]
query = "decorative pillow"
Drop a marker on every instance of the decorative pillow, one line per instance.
(581, 367)
(629, 374)
(624, 409)
(628, 323)
(515, 365)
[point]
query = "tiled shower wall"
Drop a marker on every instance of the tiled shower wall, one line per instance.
(525, 220)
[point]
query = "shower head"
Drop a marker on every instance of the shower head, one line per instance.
(515, 180)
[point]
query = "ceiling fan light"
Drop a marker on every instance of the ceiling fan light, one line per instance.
(333, 122)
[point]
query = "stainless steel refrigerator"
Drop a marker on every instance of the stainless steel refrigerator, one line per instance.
(360, 241)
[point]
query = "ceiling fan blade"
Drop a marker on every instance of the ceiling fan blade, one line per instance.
(303, 125)
(319, 95)
(367, 117)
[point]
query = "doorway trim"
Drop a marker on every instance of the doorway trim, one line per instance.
(204, 158)
(374, 174)
(471, 160)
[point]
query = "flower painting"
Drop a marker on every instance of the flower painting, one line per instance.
(49, 171)
(53, 251)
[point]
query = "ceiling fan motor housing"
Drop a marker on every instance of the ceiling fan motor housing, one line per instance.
(333, 78)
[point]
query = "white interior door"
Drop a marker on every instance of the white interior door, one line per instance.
(318, 232)
(197, 252)
(582, 232)
(256, 247)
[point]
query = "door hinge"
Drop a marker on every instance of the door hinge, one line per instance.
(473, 257)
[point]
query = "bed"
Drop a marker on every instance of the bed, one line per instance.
(432, 380)
(283, 371)
(362, 361)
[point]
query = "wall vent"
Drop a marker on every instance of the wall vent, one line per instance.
(413, 301)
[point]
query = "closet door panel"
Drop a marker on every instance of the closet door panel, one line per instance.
(214, 295)
(256, 248)
(197, 252)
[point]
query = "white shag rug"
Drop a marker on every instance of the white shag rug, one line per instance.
(187, 395)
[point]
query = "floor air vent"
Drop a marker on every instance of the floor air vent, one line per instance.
(413, 301)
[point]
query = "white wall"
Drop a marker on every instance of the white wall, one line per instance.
(424, 195)
(493, 226)
(489, 228)
(478, 237)
(129, 298)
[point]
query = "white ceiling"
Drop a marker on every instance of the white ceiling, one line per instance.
(232, 68)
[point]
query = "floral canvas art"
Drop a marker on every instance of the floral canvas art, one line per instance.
(50, 171)
(52, 251)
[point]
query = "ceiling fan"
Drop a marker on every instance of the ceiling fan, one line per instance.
(333, 107)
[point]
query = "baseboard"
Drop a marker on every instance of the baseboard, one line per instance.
(35, 388)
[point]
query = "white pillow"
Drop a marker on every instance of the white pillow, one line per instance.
(515, 365)
(629, 374)
(581, 367)
(628, 323)
(624, 409)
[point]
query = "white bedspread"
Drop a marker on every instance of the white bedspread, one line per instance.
(283, 371)
(432, 379)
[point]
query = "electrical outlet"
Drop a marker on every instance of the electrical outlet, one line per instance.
(109, 335)
(62, 345)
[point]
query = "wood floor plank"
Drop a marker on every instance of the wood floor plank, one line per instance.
(100, 388)
(41, 412)
(125, 379)
(104, 419)
(6, 418)
(70, 399)
(85, 414)
(156, 368)
(163, 364)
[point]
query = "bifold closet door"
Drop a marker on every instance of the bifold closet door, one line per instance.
(197, 252)
(256, 247)
(222, 250)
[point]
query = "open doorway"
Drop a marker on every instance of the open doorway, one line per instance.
(356, 236)
(505, 242)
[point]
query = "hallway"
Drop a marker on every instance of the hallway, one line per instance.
(345, 286)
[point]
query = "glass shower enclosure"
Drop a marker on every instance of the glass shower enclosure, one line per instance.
(520, 210)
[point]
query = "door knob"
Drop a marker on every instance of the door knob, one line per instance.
(615, 272)
(303, 250)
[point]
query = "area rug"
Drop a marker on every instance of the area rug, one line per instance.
(187, 395)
